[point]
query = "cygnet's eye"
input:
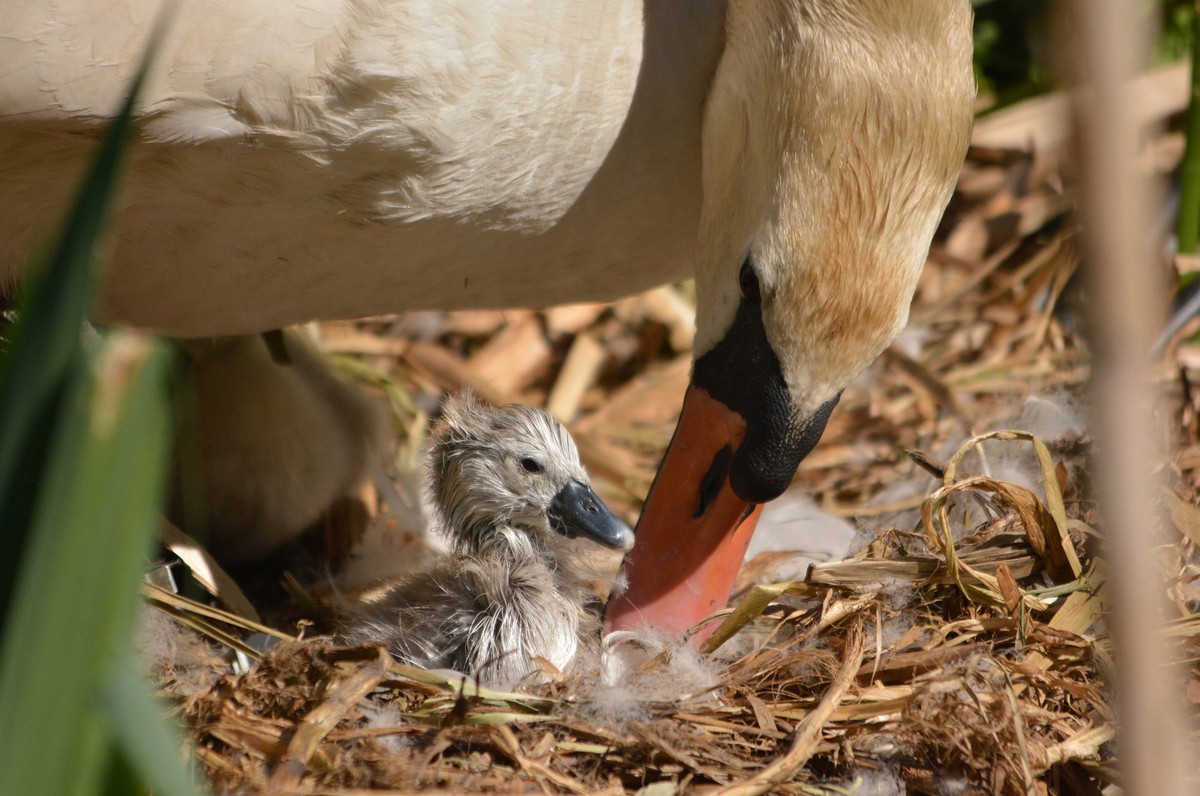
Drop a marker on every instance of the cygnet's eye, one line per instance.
(531, 465)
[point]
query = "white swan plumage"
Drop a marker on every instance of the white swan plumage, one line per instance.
(337, 158)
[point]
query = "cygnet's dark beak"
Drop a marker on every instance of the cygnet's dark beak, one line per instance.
(577, 511)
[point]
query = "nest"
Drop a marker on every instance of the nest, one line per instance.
(922, 659)
(961, 649)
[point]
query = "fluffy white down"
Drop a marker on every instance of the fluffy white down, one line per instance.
(274, 445)
(514, 590)
(635, 672)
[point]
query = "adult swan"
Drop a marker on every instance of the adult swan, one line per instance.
(306, 159)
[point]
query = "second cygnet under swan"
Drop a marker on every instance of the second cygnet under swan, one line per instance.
(510, 494)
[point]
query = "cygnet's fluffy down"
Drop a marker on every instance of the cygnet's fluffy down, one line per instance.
(267, 447)
(510, 494)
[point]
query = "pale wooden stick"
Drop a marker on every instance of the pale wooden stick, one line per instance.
(578, 373)
(514, 356)
(338, 702)
(1115, 201)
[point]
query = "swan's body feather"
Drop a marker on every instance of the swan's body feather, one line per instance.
(337, 158)
(309, 159)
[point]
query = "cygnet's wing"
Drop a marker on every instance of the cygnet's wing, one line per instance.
(461, 615)
(423, 621)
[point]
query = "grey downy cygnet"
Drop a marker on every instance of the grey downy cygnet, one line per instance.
(266, 448)
(511, 495)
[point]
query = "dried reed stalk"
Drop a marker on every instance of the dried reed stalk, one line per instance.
(1114, 202)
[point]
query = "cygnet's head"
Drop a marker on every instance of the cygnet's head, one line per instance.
(516, 466)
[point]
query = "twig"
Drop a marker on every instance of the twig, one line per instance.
(322, 719)
(808, 734)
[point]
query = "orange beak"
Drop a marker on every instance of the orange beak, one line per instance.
(693, 532)
(738, 444)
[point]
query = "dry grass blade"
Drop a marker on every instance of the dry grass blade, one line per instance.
(207, 572)
(1076, 615)
(858, 574)
(1014, 706)
(750, 608)
(1081, 746)
(1060, 548)
(1184, 516)
(164, 599)
(508, 742)
(1044, 525)
(320, 721)
(976, 585)
(808, 733)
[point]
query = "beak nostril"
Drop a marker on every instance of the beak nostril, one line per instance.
(577, 511)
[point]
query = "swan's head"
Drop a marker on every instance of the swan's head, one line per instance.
(833, 135)
(514, 466)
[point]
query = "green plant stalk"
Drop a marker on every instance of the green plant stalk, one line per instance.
(1188, 225)
(76, 597)
(46, 349)
(135, 720)
(84, 439)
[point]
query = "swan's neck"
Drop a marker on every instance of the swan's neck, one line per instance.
(833, 134)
